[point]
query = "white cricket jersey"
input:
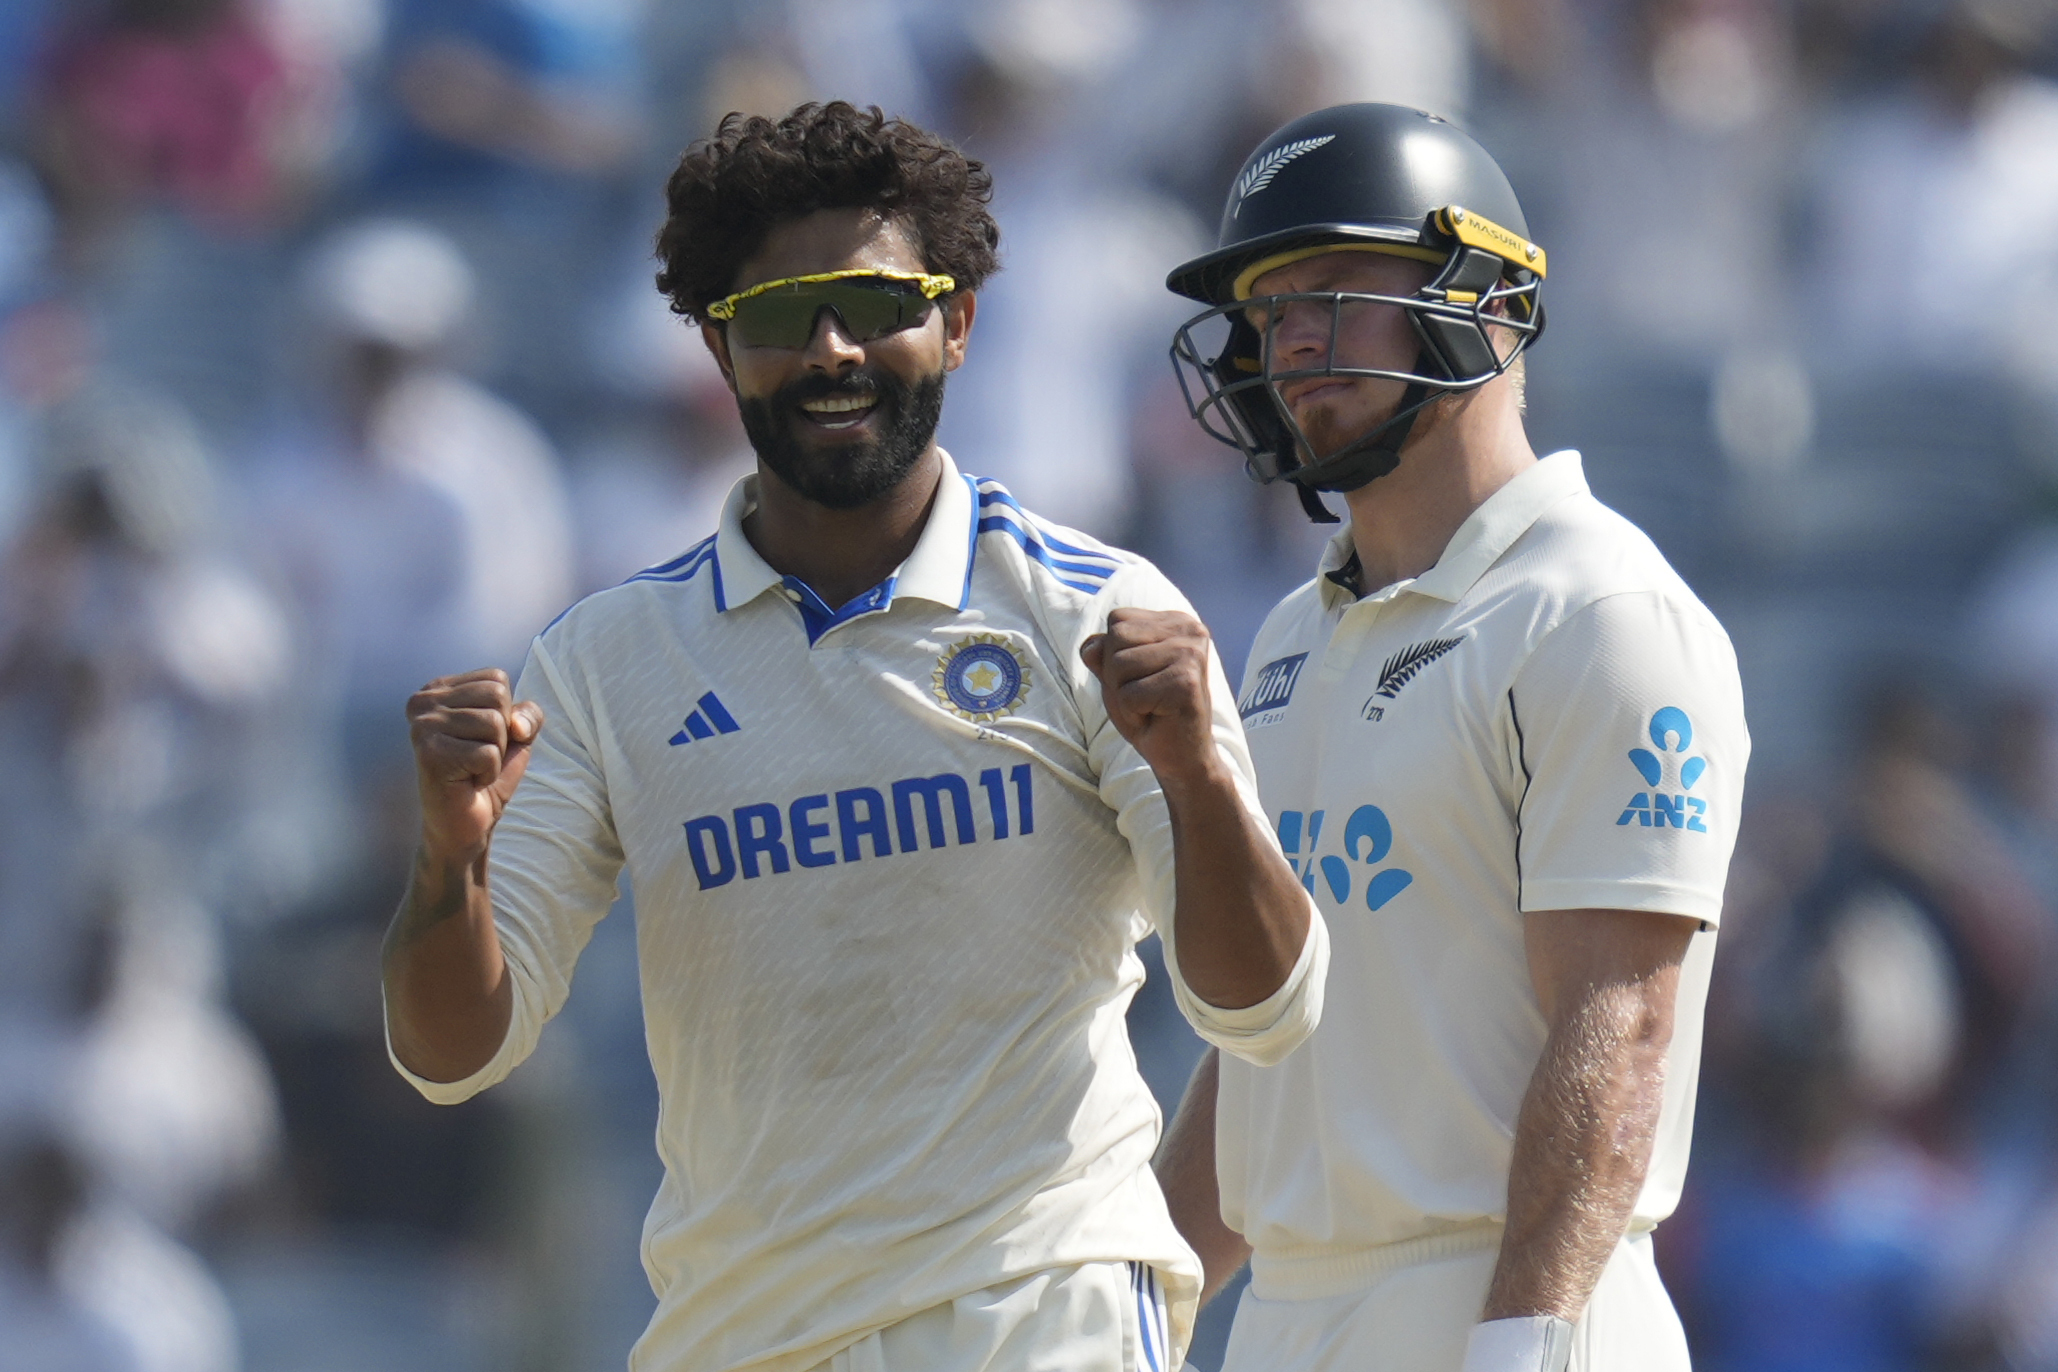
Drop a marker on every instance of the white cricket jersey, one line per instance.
(890, 864)
(1545, 720)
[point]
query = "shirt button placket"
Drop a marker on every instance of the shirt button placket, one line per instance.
(1348, 640)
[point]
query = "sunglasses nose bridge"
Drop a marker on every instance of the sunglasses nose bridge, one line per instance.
(831, 341)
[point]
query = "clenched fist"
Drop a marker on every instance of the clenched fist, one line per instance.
(1153, 670)
(471, 746)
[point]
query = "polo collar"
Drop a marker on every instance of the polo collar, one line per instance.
(1486, 534)
(939, 569)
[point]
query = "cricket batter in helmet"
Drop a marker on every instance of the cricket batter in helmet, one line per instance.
(1371, 178)
(1528, 737)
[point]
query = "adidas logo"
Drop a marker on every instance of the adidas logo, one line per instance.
(711, 718)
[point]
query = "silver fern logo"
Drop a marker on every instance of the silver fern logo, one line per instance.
(1259, 174)
(1400, 669)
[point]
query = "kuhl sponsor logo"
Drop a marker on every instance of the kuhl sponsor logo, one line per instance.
(1273, 687)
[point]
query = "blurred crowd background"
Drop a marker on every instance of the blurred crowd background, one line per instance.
(330, 361)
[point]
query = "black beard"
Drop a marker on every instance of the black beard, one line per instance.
(850, 474)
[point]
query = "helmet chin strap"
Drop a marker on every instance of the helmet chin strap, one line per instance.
(1363, 461)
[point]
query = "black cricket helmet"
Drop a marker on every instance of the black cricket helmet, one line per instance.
(1379, 178)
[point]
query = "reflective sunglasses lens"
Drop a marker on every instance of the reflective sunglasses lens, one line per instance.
(785, 318)
(777, 319)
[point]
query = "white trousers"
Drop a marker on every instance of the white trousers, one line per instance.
(1414, 1317)
(1097, 1317)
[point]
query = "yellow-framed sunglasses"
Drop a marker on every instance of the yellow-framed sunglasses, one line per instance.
(871, 303)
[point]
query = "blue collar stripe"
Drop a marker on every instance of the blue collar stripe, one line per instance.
(971, 546)
(682, 569)
(1035, 548)
(1040, 554)
(681, 560)
(997, 496)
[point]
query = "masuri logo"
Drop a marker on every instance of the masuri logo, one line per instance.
(1672, 733)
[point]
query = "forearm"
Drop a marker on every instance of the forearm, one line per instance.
(448, 997)
(1185, 1166)
(1582, 1145)
(1240, 919)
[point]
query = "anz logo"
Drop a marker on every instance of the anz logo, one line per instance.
(1367, 839)
(1672, 733)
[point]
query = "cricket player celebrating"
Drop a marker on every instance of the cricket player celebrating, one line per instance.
(900, 774)
(1503, 745)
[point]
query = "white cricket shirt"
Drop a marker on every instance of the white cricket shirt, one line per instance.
(1545, 720)
(891, 863)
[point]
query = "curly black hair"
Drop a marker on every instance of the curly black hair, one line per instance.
(728, 192)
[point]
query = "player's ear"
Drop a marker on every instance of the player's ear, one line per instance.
(717, 340)
(958, 309)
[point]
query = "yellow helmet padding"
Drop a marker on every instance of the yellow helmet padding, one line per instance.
(1241, 290)
(1467, 226)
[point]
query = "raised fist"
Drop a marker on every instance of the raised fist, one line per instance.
(1153, 670)
(471, 746)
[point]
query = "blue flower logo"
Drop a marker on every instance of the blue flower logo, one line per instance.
(1672, 733)
(1367, 840)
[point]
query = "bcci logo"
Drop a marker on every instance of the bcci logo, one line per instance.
(1673, 733)
(981, 678)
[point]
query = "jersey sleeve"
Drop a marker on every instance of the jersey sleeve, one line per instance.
(552, 870)
(1262, 1033)
(1629, 723)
